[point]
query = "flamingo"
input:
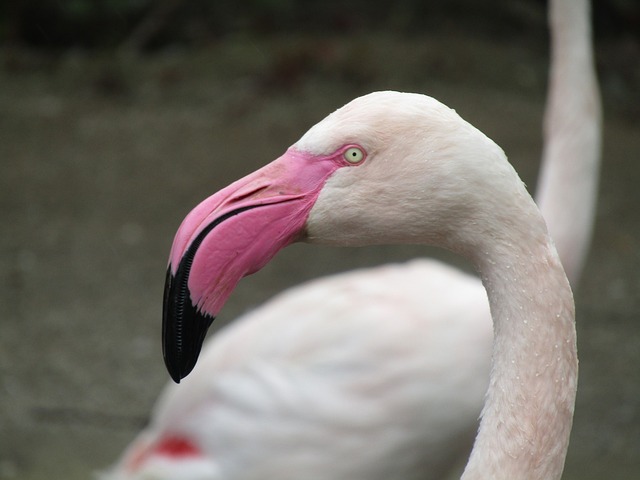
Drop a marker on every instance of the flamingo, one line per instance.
(394, 167)
(274, 386)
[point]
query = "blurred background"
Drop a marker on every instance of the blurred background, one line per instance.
(118, 116)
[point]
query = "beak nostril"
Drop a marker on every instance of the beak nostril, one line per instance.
(250, 193)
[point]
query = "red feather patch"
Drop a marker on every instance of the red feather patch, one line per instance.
(171, 446)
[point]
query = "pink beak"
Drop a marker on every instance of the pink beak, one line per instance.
(231, 234)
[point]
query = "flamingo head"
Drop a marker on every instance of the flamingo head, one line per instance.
(385, 168)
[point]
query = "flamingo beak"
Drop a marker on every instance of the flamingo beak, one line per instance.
(231, 234)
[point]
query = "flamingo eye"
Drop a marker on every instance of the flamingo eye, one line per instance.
(353, 155)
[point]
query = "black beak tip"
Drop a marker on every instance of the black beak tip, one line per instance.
(174, 371)
(184, 328)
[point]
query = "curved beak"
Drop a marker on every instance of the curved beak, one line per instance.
(231, 234)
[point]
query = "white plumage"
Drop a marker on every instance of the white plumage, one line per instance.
(303, 384)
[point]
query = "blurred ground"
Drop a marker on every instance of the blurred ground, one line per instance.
(100, 158)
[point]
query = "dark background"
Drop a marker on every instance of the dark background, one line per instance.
(107, 24)
(117, 117)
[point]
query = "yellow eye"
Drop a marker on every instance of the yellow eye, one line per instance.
(353, 155)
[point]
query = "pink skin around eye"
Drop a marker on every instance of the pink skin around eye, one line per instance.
(278, 198)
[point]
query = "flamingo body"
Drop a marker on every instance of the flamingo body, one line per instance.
(326, 373)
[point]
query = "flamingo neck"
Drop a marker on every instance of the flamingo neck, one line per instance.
(526, 421)
(568, 181)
